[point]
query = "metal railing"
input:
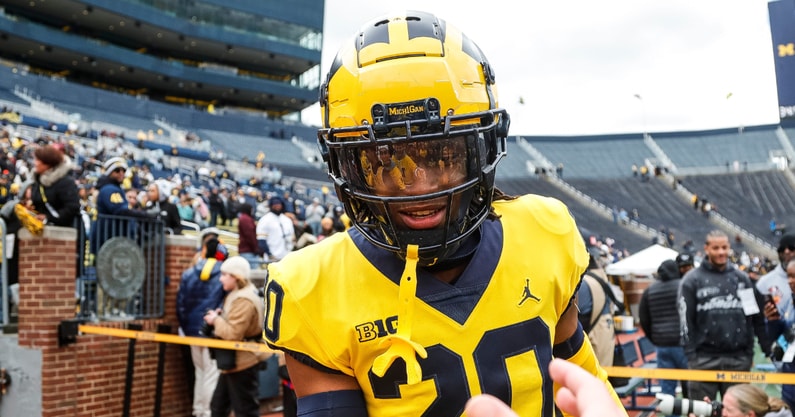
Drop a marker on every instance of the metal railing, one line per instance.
(121, 269)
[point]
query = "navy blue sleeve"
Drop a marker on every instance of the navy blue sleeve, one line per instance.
(348, 403)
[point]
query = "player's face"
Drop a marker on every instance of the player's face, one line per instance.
(428, 174)
(717, 250)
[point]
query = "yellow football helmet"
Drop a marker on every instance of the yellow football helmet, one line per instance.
(410, 116)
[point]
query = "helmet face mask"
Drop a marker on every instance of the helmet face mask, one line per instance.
(413, 160)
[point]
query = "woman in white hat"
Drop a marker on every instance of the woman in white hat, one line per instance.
(240, 319)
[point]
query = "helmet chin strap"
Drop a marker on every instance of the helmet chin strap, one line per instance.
(400, 345)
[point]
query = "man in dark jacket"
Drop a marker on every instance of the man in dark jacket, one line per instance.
(200, 290)
(718, 318)
(659, 320)
(112, 200)
(217, 207)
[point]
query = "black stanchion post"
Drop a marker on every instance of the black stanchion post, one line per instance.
(161, 361)
(130, 370)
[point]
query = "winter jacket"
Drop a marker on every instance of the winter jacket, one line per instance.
(242, 319)
(54, 194)
(713, 321)
(167, 212)
(659, 317)
(199, 290)
(247, 230)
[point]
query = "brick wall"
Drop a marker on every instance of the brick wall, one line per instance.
(87, 378)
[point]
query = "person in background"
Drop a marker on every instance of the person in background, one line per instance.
(240, 319)
(780, 324)
(185, 207)
(157, 205)
(685, 262)
(247, 245)
(313, 213)
(54, 192)
(111, 200)
(132, 199)
(217, 207)
(745, 400)
(774, 283)
(275, 231)
(201, 290)
(660, 322)
(595, 310)
(717, 321)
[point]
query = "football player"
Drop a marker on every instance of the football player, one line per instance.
(445, 288)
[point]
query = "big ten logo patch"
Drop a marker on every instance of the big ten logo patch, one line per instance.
(376, 329)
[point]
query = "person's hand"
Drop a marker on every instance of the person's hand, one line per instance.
(581, 395)
(771, 311)
(210, 317)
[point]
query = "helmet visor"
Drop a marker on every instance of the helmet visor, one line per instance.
(389, 168)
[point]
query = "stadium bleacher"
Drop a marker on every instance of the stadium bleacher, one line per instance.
(719, 148)
(596, 166)
(593, 156)
(586, 216)
(656, 202)
(239, 146)
(514, 164)
(749, 199)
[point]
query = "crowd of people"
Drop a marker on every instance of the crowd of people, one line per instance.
(422, 288)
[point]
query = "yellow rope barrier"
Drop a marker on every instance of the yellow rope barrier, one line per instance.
(701, 375)
(627, 372)
(170, 338)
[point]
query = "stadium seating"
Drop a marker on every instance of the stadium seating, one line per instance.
(239, 146)
(596, 166)
(657, 204)
(587, 217)
(720, 148)
(750, 199)
(594, 156)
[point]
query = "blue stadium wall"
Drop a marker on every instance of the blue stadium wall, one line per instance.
(782, 28)
(281, 76)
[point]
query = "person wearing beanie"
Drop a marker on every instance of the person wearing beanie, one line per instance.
(111, 200)
(660, 321)
(685, 262)
(276, 230)
(54, 192)
(201, 290)
(241, 318)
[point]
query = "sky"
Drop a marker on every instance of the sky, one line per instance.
(581, 67)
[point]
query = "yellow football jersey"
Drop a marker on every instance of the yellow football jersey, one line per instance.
(491, 331)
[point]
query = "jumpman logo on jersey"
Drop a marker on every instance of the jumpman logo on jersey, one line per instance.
(527, 294)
